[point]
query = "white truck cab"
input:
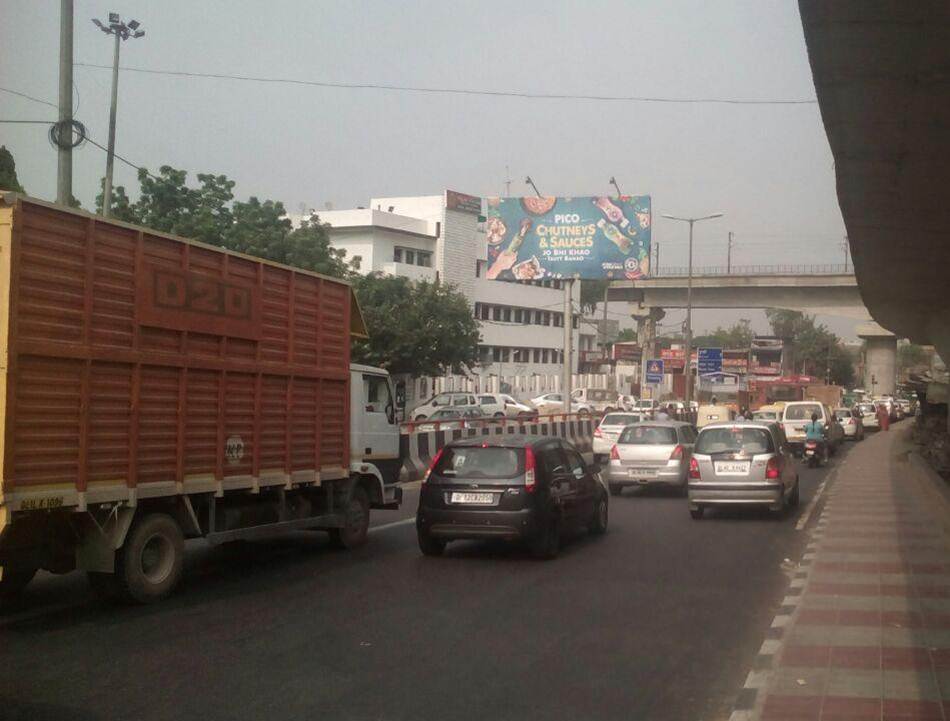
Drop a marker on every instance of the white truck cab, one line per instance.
(374, 432)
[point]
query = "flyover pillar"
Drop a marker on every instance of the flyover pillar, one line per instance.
(880, 359)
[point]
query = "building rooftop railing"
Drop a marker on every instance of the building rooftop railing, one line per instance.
(682, 271)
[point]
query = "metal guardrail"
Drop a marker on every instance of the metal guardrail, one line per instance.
(722, 270)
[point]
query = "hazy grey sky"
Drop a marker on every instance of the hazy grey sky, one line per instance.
(768, 168)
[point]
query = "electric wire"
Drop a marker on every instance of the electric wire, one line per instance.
(455, 91)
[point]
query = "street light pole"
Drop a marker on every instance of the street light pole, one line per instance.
(689, 302)
(121, 31)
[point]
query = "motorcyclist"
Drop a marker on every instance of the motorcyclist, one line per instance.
(815, 431)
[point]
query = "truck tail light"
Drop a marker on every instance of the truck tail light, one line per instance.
(432, 465)
(677, 454)
(773, 469)
(614, 453)
(598, 433)
(529, 480)
(694, 469)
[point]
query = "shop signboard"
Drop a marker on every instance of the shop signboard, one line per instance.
(654, 374)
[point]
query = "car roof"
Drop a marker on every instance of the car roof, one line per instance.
(765, 425)
(520, 440)
(664, 424)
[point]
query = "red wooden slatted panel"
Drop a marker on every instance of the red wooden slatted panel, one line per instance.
(201, 421)
(158, 424)
(239, 420)
(110, 413)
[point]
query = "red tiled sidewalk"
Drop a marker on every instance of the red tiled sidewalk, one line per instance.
(866, 633)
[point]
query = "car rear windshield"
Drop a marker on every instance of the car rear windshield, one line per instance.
(648, 436)
(596, 394)
(765, 415)
(734, 440)
(480, 462)
(866, 408)
(619, 419)
(843, 414)
(802, 412)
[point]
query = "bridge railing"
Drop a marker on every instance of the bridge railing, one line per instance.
(681, 271)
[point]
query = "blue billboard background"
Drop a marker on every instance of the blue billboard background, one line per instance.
(590, 237)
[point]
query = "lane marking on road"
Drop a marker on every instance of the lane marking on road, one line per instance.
(806, 516)
(394, 524)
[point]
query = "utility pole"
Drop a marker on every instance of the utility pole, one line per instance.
(656, 265)
(844, 247)
(64, 153)
(729, 255)
(603, 325)
(121, 31)
(507, 182)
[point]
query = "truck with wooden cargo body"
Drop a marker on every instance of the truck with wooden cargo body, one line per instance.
(155, 389)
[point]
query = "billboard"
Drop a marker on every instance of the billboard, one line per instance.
(590, 237)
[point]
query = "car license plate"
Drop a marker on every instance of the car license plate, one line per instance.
(732, 468)
(482, 498)
(640, 472)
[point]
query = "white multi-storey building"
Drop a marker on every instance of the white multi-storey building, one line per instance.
(442, 236)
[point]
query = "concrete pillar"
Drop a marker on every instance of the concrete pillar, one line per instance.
(880, 359)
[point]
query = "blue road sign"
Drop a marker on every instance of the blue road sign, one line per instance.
(654, 374)
(709, 360)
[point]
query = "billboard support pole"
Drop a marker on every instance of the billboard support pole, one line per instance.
(568, 343)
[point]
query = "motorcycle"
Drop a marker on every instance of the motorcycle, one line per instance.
(815, 452)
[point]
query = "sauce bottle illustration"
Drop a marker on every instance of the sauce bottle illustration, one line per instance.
(613, 213)
(519, 238)
(614, 235)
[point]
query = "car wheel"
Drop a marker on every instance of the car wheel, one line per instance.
(598, 524)
(356, 523)
(499, 414)
(149, 565)
(615, 489)
(795, 496)
(583, 412)
(696, 513)
(547, 543)
(430, 546)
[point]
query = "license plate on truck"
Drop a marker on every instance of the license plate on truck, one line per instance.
(475, 498)
(732, 468)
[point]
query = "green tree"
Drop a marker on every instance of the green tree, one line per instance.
(592, 293)
(421, 329)
(911, 355)
(817, 350)
(626, 335)
(8, 178)
(738, 335)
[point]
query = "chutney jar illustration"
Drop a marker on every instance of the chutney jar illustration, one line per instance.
(614, 235)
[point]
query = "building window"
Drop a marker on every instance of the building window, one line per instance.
(537, 355)
(484, 315)
(496, 312)
(560, 356)
(545, 355)
(410, 256)
(424, 258)
(478, 269)
(546, 318)
(397, 255)
(496, 354)
(576, 322)
(519, 315)
(557, 285)
(558, 320)
(505, 355)
(506, 314)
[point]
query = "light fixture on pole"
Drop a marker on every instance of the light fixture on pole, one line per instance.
(613, 182)
(689, 300)
(530, 182)
(121, 31)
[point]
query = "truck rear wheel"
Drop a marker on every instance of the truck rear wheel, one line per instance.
(14, 580)
(356, 523)
(149, 565)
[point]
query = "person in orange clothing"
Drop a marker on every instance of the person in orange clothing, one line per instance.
(883, 418)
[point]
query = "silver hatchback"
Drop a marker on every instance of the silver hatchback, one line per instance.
(742, 463)
(651, 452)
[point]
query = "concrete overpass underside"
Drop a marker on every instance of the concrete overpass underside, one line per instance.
(882, 76)
(826, 294)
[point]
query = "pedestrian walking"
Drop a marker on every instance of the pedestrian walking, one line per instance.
(883, 418)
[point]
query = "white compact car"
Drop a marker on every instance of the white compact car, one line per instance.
(554, 403)
(442, 400)
(608, 430)
(502, 405)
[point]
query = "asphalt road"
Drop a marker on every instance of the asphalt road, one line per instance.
(659, 619)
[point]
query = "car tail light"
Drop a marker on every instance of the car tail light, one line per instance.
(432, 465)
(677, 454)
(614, 453)
(598, 433)
(773, 469)
(694, 469)
(529, 481)
(851, 422)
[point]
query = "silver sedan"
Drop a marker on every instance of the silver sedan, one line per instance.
(651, 452)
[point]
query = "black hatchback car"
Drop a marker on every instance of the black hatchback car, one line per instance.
(516, 488)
